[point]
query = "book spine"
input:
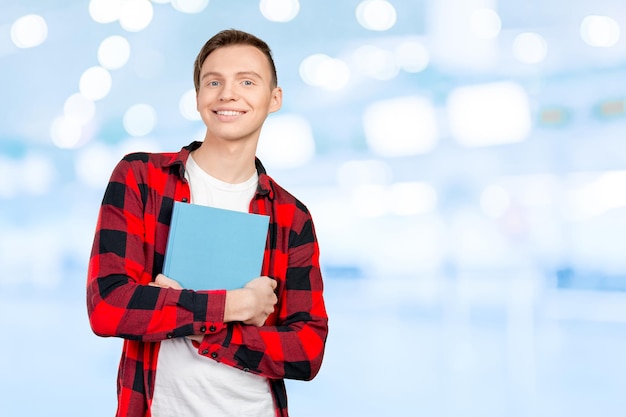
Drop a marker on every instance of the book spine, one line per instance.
(170, 241)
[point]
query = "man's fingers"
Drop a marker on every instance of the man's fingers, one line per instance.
(273, 283)
(165, 282)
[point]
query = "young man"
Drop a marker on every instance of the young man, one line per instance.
(209, 353)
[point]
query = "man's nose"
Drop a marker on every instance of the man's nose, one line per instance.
(228, 92)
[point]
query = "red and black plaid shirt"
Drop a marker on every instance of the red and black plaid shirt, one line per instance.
(127, 254)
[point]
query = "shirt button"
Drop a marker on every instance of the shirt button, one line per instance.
(246, 369)
(184, 200)
(212, 329)
(205, 351)
(203, 329)
(169, 335)
(214, 355)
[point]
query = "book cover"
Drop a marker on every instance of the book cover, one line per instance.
(210, 248)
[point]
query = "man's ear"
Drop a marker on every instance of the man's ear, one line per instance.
(277, 99)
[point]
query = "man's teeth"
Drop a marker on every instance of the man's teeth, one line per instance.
(229, 113)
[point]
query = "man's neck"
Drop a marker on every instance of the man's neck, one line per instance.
(233, 163)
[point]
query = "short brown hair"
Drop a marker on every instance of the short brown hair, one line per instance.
(231, 37)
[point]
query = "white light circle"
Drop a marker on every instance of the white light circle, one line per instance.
(190, 6)
(376, 62)
(320, 70)
(530, 48)
(188, 106)
(378, 15)
(489, 114)
(412, 56)
(113, 52)
(105, 11)
(66, 133)
(400, 126)
(600, 31)
(79, 109)
(485, 23)
(93, 164)
(29, 31)
(286, 142)
(95, 83)
(309, 68)
(279, 10)
(136, 15)
(140, 119)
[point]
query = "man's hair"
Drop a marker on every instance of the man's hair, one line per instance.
(232, 37)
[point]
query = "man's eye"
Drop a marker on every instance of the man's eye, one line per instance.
(214, 83)
(247, 82)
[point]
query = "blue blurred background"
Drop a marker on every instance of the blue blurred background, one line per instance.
(464, 161)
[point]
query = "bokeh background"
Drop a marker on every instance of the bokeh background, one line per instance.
(464, 161)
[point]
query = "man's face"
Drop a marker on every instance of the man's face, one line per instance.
(235, 94)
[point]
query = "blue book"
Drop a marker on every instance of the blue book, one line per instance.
(210, 248)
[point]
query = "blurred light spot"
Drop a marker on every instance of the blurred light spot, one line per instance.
(599, 196)
(37, 173)
(136, 15)
(485, 23)
(94, 165)
(412, 56)
(286, 142)
(401, 126)
(188, 107)
(495, 201)
(161, 1)
(489, 114)
(530, 48)
(8, 187)
(612, 108)
(411, 198)
(105, 11)
(352, 174)
(376, 15)
(554, 116)
(376, 62)
(29, 31)
(280, 10)
(320, 70)
(190, 6)
(600, 31)
(95, 83)
(140, 119)
(114, 52)
(79, 109)
(66, 133)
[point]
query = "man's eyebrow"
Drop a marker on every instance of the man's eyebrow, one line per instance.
(239, 74)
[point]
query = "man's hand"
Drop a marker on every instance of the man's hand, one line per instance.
(162, 281)
(253, 303)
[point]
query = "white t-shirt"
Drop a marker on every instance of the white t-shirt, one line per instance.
(187, 383)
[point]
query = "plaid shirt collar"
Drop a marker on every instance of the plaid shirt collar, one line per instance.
(178, 160)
